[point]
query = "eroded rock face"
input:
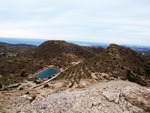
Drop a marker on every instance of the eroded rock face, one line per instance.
(110, 97)
(138, 96)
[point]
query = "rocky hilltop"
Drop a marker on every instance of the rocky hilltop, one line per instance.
(109, 97)
(116, 62)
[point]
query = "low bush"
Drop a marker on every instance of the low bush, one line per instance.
(23, 74)
(37, 82)
(27, 93)
(1, 85)
(33, 98)
(21, 88)
(46, 85)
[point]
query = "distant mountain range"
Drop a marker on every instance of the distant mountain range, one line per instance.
(22, 45)
(37, 42)
(14, 48)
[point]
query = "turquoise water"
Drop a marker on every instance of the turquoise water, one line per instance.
(46, 73)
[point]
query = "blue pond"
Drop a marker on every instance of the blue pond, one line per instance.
(46, 73)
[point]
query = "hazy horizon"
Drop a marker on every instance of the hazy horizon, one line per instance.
(109, 21)
(37, 42)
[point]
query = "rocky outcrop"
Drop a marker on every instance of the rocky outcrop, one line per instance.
(108, 97)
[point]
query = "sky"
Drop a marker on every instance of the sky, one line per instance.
(104, 21)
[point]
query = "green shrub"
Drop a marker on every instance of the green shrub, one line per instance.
(1, 85)
(21, 88)
(130, 77)
(37, 82)
(46, 85)
(49, 77)
(23, 74)
(148, 71)
(27, 93)
(5, 89)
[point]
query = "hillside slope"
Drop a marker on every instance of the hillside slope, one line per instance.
(116, 62)
(62, 51)
(57, 53)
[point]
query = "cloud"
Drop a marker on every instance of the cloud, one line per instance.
(111, 21)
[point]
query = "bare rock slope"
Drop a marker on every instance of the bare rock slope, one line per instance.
(108, 97)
